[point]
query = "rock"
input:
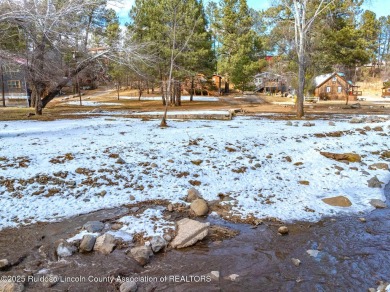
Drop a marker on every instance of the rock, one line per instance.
(120, 161)
(103, 193)
(141, 254)
(332, 124)
(50, 280)
(233, 277)
(214, 275)
(350, 157)
(197, 162)
(308, 124)
(65, 249)
(199, 207)
(167, 237)
(193, 194)
(189, 232)
(383, 287)
(104, 243)
(4, 264)
(374, 182)
(339, 201)
(157, 243)
(134, 209)
(87, 243)
(379, 204)
(376, 166)
(313, 252)
(170, 208)
(93, 226)
(132, 198)
(289, 123)
(304, 182)
(11, 287)
(129, 286)
(363, 220)
(96, 111)
(283, 230)
(296, 262)
(356, 105)
(385, 154)
(116, 226)
(356, 121)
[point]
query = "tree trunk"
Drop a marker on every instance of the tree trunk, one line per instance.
(301, 87)
(163, 92)
(2, 86)
(118, 89)
(192, 89)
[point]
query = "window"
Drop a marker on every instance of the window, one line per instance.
(334, 79)
(388, 89)
(339, 89)
(12, 84)
(327, 89)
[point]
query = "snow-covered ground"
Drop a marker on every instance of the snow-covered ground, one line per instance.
(183, 98)
(90, 103)
(51, 170)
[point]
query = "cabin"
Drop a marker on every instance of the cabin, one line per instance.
(268, 82)
(13, 86)
(386, 89)
(335, 86)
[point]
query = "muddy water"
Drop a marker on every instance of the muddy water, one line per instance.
(353, 256)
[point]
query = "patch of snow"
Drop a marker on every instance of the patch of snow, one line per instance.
(150, 222)
(183, 98)
(244, 158)
(80, 235)
(91, 103)
(198, 112)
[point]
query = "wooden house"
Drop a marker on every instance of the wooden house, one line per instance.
(13, 86)
(335, 86)
(386, 89)
(268, 82)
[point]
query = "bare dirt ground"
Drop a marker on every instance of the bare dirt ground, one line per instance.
(250, 104)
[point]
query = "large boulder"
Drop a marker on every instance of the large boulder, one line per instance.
(192, 195)
(189, 232)
(142, 254)
(379, 204)
(129, 286)
(345, 157)
(93, 226)
(104, 244)
(374, 182)
(339, 201)
(157, 243)
(87, 243)
(199, 207)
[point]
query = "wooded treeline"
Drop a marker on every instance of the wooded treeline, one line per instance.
(167, 41)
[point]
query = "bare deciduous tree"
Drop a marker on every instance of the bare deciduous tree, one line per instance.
(53, 34)
(304, 13)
